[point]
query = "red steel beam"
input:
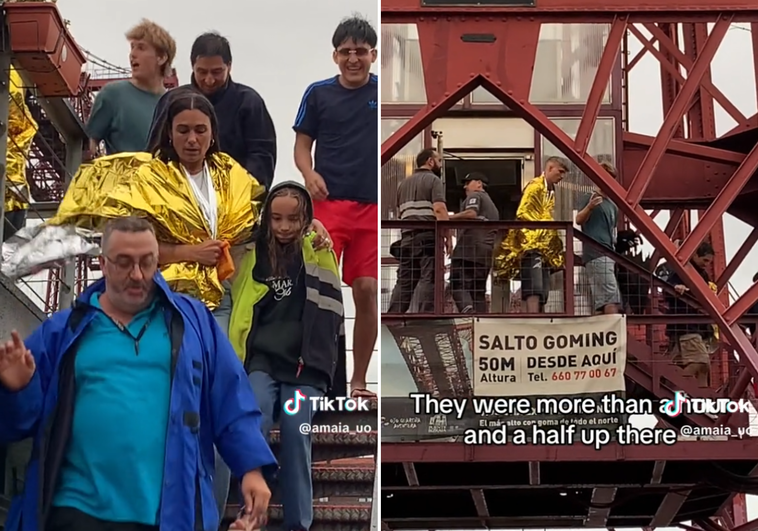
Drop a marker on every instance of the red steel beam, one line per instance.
(434, 452)
(701, 118)
(448, 78)
(725, 197)
(687, 64)
(676, 218)
(600, 83)
(640, 219)
(739, 257)
(666, 65)
(688, 149)
(637, 58)
(675, 11)
(680, 106)
(752, 525)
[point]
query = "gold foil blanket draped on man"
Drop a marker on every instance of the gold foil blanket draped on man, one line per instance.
(21, 131)
(537, 204)
(135, 184)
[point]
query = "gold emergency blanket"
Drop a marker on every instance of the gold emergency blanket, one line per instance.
(537, 204)
(138, 185)
(714, 289)
(21, 131)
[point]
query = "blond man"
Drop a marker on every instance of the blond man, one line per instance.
(123, 110)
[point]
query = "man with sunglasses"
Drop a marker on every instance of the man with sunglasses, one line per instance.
(126, 395)
(340, 116)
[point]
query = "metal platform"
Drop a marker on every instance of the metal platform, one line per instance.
(610, 489)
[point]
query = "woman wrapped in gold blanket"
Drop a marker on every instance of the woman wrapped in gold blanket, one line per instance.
(199, 200)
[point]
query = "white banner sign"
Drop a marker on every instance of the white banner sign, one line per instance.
(559, 356)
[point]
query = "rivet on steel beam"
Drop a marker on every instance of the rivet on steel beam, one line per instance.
(447, 94)
(434, 19)
(510, 92)
(472, 74)
(499, 83)
(460, 84)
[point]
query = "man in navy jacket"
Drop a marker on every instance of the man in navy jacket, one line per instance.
(126, 395)
(246, 129)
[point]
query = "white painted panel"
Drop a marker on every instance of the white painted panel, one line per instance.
(468, 133)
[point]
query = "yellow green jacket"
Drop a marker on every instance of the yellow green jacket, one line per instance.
(323, 315)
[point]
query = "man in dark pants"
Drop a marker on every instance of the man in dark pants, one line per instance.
(421, 197)
(246, 130)
(472, 257)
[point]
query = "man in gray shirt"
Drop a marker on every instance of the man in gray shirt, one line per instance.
(472, 256)
(421, 197)
(598, 217)
(123, 110)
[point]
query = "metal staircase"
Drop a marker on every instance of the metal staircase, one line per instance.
(344, 467)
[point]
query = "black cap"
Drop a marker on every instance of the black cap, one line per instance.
(476, 176)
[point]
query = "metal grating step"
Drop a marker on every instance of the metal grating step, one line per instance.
(333, 446)
(354, 517)
(353, 514)
(330, 483)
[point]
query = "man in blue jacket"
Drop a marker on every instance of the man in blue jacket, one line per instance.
(125, 395)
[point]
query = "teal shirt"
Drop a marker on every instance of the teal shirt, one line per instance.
(113, 468)
(600, 226)
(121, 116)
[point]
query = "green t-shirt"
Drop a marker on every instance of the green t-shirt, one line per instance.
(121, 116)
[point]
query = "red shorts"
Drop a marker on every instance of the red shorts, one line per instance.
(354, 230)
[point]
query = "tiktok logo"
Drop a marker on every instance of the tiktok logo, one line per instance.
(673, 408)
(292, 406)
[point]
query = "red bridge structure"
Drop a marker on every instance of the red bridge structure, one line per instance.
(477, 74)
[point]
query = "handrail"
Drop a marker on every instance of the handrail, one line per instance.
(657, 287)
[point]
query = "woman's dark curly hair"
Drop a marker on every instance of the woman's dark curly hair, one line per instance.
(183, 99)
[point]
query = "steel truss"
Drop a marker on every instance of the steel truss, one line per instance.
(495, 47)
(454, 67)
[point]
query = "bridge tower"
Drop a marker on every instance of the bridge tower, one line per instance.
(476, 73)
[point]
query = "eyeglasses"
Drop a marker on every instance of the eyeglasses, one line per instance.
(358, 52)
(125, 265)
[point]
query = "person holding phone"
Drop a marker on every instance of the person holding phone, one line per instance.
(598, 217)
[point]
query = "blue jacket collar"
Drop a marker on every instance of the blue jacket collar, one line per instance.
(99, 287)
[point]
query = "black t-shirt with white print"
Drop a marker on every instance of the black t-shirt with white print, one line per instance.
(275, 344)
